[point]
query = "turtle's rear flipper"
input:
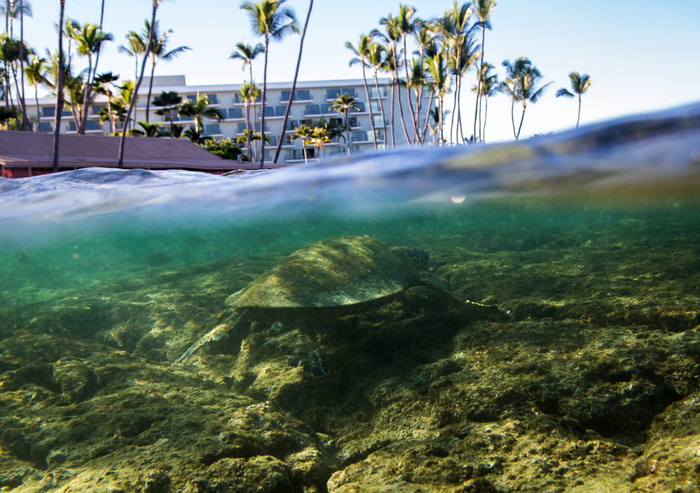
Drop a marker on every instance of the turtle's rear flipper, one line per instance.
(216, 335)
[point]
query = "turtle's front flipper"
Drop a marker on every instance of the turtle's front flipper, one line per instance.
(214, 335)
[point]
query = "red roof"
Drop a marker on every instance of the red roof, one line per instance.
(30, 150)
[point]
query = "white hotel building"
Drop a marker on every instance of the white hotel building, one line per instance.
(313, 101)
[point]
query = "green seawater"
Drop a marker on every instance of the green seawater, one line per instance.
(587, 248)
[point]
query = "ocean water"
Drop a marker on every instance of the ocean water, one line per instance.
(598, 226)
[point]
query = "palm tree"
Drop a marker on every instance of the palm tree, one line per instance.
(376, 58)
(406, 26)
(344, 104)
(136, 47)
(391, 39)
(463, 53)
(522, 84)
(147, 129)
(247, 53)
(320, 138)
(89, 38)
(440, 80)
(510, 85)
(294, 85)
(102, 86)
(149, 44)
(199, 110)
(488, 87)
(159, 51)
(59, 86)
(249, 93)
(416, 81)
(168, 101)
(361, 53)
(579, 85)
(12, 52)
(483, 10)
(304, 133)
(269, 19)
(36, 74)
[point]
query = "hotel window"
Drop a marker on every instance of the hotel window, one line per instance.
(235, 113)
(212, 129)
(213, 98)
(45, 127)
(48, 112)
(93, 125)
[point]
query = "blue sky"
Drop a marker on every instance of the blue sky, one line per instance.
(642, 55)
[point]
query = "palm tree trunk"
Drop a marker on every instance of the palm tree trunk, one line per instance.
(150, 86)
(486, 110)
(59, 88)
(441, 134)
(427, 115)
(579, 110)
(134, 96)
(262, 113)
(393, 99)
(522, 118)
(381, 104)
(82, 120)
(25, 119)
(454, 108)
(347, 129)
(294, 85)
(398, 88)
(512, 115)
(369, 104)
(477, 108)
(36, 100)
(408, 92)
(247, 126)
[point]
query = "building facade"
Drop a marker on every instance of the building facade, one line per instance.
(312, 104)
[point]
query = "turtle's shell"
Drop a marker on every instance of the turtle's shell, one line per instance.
(332, 272)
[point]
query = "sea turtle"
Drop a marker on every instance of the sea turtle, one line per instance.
(282, 313)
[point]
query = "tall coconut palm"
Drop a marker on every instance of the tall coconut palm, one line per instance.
(416, 81)
(36, 74)
(361, 52)
(483, 10)
(376, 58)
(304, 133)
(391, 38)
(199, 110)
(13, 10)
(103, 83)
(59, 86)
(487, 87)
(149, 44)
(247, 53)
(320, 137)
(510, 84)
(440, 81)
(344, 104)
(168, 102)
(249, 93)
(294, 84)
(136, 48)
(89, 39)
(579, 85)
(388, 66)
(522, 83)
(453, 28)
(158, 52)
(271, 20)
(406, 25)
